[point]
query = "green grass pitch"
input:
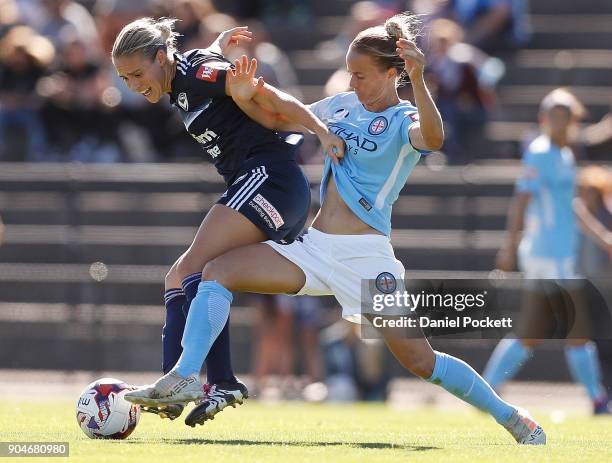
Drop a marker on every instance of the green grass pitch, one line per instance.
(296, 432)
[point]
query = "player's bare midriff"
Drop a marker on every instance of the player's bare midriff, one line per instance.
(336, 218)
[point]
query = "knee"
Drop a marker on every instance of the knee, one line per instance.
(187, 265)
(216, 270)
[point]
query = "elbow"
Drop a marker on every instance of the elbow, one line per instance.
(435, 143)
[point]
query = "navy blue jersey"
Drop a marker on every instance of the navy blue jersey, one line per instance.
(212, 118)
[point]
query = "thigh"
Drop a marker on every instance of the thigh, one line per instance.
(256, 269)
(222, 230)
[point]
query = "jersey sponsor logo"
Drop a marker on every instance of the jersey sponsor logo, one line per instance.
(270, 210)
(340, 114)
(207, 73)
(205, 138)
(386, 283)
(182, 101)
(214, 152)
(364, 143)
(366, 205)
(378, 125)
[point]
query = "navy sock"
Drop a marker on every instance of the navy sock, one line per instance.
(172, 333)
(219, 359)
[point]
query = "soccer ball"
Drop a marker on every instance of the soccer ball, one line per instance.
(103, 413)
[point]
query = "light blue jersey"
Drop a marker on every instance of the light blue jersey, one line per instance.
(550, 222)
(378, 159)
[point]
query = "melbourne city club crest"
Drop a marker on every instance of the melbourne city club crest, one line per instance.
(386, 283)
(378, 125)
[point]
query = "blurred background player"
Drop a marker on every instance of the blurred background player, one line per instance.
(545, 203)
(287, 353)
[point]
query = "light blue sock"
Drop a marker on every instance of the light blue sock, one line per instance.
(461, 380)
(507, 359)
(584, 365)
(208, 314)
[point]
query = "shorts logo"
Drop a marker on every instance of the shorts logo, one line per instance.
(182, 101)
(366, 205)
(378, 125)
(239, 178)
(270, 210)
(207, 73)
(386, 283)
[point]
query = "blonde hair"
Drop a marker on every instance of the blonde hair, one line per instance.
(565, 98)
(379, 41)
(146, 36)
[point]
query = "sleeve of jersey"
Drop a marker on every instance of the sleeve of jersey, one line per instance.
(208, 79)
(411, 118)
(321, 108)
(529, 179)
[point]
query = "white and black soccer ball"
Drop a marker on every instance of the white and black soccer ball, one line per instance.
(103, 413)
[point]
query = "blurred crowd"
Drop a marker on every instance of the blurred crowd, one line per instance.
(60, 99)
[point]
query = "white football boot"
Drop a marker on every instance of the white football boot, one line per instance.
(524, 429)
(171, 388)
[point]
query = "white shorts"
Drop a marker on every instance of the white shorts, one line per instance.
(337, 264)
(541, 267)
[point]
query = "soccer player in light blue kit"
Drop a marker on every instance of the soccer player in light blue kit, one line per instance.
(548, 248)
(348, 241)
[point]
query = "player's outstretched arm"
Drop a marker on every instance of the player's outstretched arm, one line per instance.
(428, 134)
(276, 109)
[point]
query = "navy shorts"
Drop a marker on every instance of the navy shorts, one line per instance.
(275, 196)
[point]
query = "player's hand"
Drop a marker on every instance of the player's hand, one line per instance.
(505, 259)
(231, 38)
(242, 83)
(414, 59)
(333, 146)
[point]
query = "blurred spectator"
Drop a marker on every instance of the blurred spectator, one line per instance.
(286, 12)
(9, 15)
(363, 14)
(277, 344)
(112, 15)
(79, 111)
(463, 79)
(24, 56)
(354, 368)
(492, 25)
(190, 14)
(52, 17)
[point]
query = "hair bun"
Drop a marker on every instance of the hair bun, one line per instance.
(394, 29)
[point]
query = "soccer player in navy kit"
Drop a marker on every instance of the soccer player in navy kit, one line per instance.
(348, 241)
(267, 194)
